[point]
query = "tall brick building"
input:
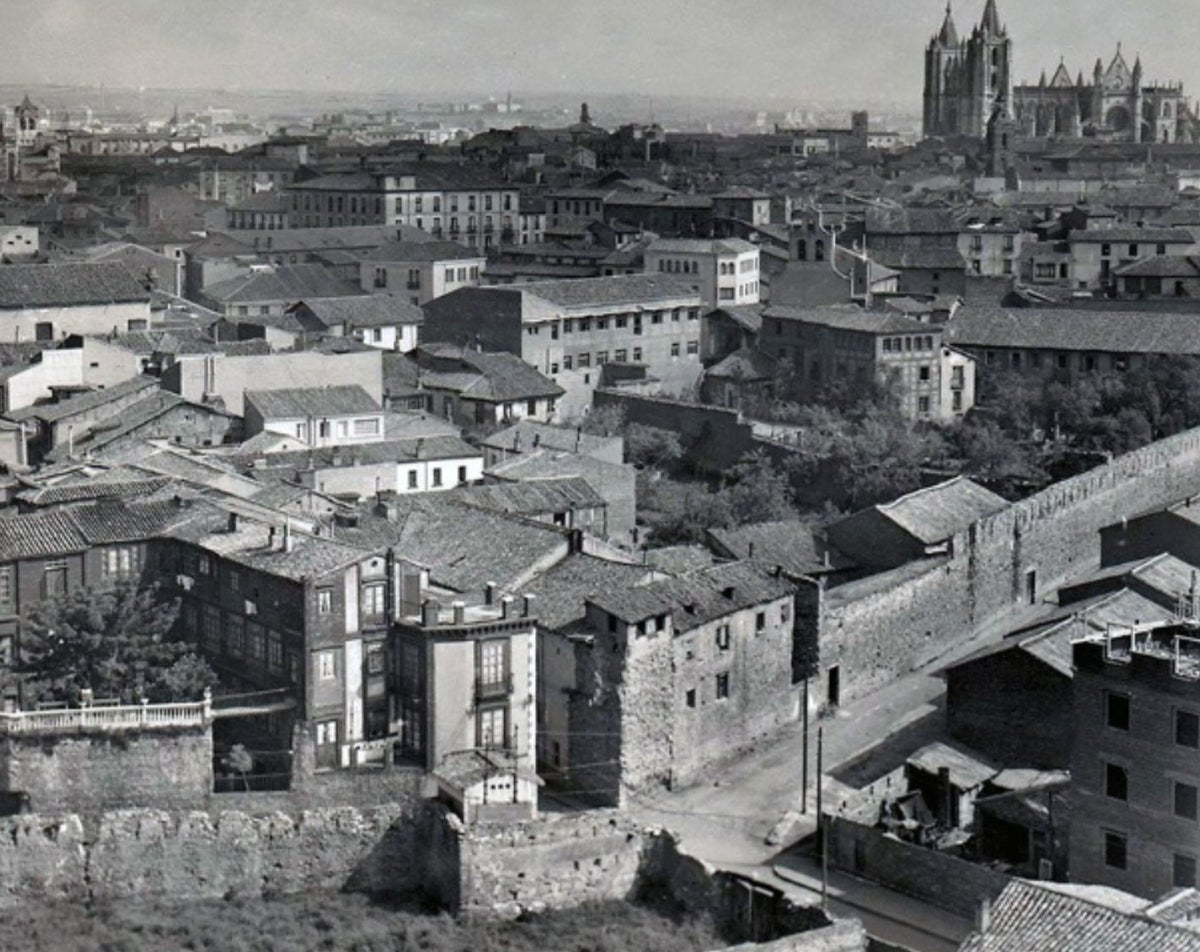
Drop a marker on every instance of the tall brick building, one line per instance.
(1135, 763)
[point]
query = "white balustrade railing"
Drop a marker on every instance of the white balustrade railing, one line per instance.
(193, 714)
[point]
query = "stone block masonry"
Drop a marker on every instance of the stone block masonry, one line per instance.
(878, 628)
(92, 770)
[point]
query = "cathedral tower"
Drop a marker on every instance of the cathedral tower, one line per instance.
(964, 79)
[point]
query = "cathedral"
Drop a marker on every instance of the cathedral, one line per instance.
(968, 80)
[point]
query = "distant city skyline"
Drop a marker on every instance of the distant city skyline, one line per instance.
(773, 52)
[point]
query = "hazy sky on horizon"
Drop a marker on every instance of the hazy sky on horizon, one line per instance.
(777, 51)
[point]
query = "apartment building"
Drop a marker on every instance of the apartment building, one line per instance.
(1135, 758)
(832, 347)
(316, 416)
(421, 271)
(725, 270)
(569, 330)
(1096, 254)
(460, 203)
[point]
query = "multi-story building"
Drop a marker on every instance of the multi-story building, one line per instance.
(316, 416)
(421, 270)
(233, 179)
(472, 387)
(454, 202)
(675, 675)
(990, 246)
(1135, 758)
(726, 269)
(848, 347)
(569, 330)
(1097, 253)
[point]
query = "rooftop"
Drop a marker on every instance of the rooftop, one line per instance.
(362, 310)
(563, 590)
(611, 290)
(850, 318)
(423, 251)
(305, 402)
(285, 282)
(935, 513)
(65, 285)
(1075, 329)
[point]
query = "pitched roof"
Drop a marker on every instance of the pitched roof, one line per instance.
(285, 282)
(701, 246)
(1131, 235)
(697, 598)
(1161, 266)
(967, 770)
(1075, 329)
(788, 543)
(304, 402)
(51, 412)
(423, 251)
(528, 434)
(1047, 918)
(489, 376)
(935, 513)
(71, 284)
(532, 497)
(39, 534)
(849, 318)
(363, 310)
(612, 290)
(562, 591)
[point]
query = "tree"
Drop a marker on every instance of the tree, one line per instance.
(651, 447)
(114, 641)
(758, 491)
(604, 421)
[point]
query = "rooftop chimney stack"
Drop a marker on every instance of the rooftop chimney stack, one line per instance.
(460, 613)
(527, 605)
(489, 593)
(506, 606)
(430, 610)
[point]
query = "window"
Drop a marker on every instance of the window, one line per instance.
(760, 621)
(1183, 874)
(366, 427)
(6, 589)
(722, 686)
(584, 360)
(1105, 249)
(437, 475)
(693, 347)
(690, 697)
(235, 581)
(1114, 849)
(54, 579)
(566, 361)
(675, 349)
(1116, 782)
(1133, 251)
(1116, 710)
(212, 627)
(922, 404)
(327, 733)
(723, 637)
(275, 652)
(637, 355)
(372, 599)
(120, 561)
(620, 355)
(956, 401)
(324, 601)
(462, 474)
(326, 665)
(491, 727)
(1187, 729)
(1185, 801)
(235, 636)
(923, 372)
(1160, 249)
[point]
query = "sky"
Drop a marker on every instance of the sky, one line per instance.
(775, 51)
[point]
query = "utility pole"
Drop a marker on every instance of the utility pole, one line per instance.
(821, 821)
(804, 755)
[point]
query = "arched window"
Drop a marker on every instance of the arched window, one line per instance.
(802, 250)
(819, 250)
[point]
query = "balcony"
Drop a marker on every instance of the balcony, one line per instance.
(493, 689)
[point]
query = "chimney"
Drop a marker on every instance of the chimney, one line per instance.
(287, 536)
(430, 610)
(489, 593)
(233, 522)
(749, 550)
(983, 916)
(506, 606)
(460, 612)
(272, 536)
(527, 605)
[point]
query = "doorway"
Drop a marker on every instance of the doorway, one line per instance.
(833, 693)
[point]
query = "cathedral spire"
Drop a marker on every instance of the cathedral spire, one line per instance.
(991, 19)
(948, 35)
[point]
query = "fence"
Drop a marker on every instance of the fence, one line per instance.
(121, 717)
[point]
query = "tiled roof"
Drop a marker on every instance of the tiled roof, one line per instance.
(463, 547)
(310, 557)
(1119, 332)
(400, 374)
(423, 251)
(790, 544)
(364, 310)
(747, 316)
(285, 282)
(697, 597)
(701, 246)
(1031, 916)
(532, 497)
(71, 492)
(366, 454)
(113, 521)
(304, 402)
(612, 290)
(66, 285)
(907, 221)
(936, 513)
(1131, 235)
(51, 412)
(1161, 266)
(39, 534)
(491, 376)
(562, 590)
(678, 559)
(853, 319)
(345, 237)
